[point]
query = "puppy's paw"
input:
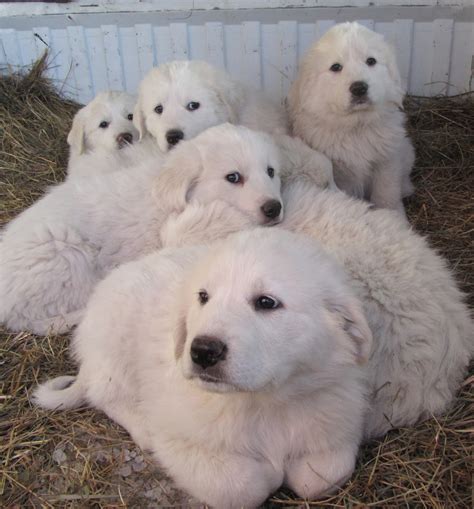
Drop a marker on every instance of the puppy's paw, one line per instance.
(315, 475)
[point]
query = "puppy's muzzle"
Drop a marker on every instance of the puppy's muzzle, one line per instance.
(359, 90)
(124, 139)
(174, 136)
(271, 209)
(207, 352)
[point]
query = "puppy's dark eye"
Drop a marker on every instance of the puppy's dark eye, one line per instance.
(192, 106)
(271, 172)
(159, 109)
(130, 116)
(234, 178)
(104, 124)
(371, 61)
(203, 297)
(265, 302)
(336, 67)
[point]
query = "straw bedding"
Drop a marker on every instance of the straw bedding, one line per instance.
(81, 459)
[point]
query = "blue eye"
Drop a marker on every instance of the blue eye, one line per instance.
(104, 124)
(159, 109)
(192, 106)
(336, 67)
(234, 178)
(265, 302)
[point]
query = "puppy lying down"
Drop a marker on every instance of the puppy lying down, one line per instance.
(234, 367)
(53, 254)
(423, 331)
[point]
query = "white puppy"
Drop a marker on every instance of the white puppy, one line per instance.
(346, 103)
(239, 371)
(53, 254)
(180, 99)
(423, 333)
(99, 130)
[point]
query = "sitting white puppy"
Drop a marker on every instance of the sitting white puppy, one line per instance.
(180, 99)
(233, 366)
(346, 103)
(53, 254)
(99, 129)
(423, 333)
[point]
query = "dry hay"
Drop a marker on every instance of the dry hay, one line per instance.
(81, 459)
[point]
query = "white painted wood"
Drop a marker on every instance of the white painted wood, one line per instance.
(145, 48)
(442, 40)
(252, 67)
(113, 57)
(131, 66)
(10, 53)
(215, 44)
(461, 74)
(164, 6)
(288, 32)
(179, 41)
(261, 49)
(80, 62)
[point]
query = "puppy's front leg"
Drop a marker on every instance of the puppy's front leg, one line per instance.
(387, 187)
(222, 480)
(315, 475)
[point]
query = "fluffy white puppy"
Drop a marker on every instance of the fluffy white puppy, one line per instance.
(346, 102)
(53, 254)
(239, 371)
(99, 130)
(423, 332)
(180, 99)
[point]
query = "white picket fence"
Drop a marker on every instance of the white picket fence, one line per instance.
(94, 51)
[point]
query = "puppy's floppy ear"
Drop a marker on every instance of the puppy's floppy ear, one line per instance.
(76, 137)
(351, 319)
(178, 176)
(139, 119)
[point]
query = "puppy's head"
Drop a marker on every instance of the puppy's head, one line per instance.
(106, 123)
(350, 70)
(228, 163)
(179, 100)
(268, 308)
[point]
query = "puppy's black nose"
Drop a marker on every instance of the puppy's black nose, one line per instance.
(125, 138)
(271, 209)
(174, 136)
(359, 88)
(207, 352)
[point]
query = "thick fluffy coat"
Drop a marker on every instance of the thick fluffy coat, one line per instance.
(346, 102)
(282, 401)
(423, 332)
(53, 254)
(99, 130)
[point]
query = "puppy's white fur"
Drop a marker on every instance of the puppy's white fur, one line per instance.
(221, 99)
(366, 142)
(423, 332)
(53, 254)
(288, 402)
(94, 149)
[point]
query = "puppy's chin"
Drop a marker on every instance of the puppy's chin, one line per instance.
(209, 384)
